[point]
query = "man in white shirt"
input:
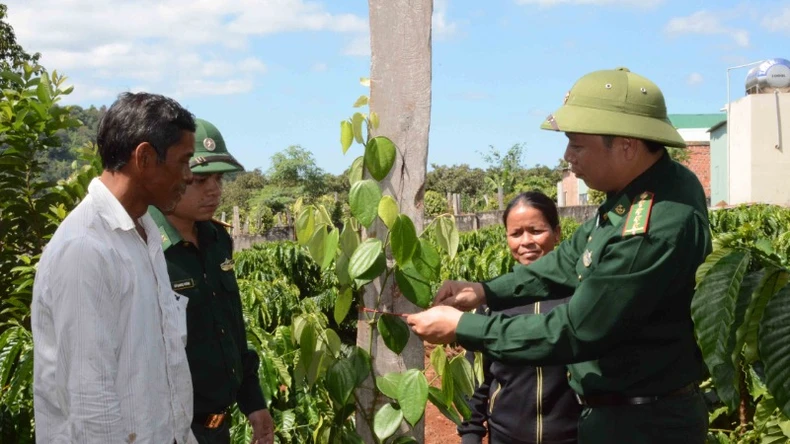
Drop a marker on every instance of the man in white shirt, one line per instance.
(108, 331)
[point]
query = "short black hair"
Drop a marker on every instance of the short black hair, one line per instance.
(651, 146)
(135, 118)
(538, 201)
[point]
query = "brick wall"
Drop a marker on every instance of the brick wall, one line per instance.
(699, 163)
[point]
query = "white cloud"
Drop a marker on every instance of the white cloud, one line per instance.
(778, 22)
(442, 28)
(627, 3)
(319, 67)
(192, 47)
(706, 23)
(694, 78)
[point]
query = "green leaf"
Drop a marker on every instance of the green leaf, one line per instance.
(403, 239)
(394, 332)
(447, 235)
(714, 310)
(333, 342)
(437, 399)
(710, 261)
(388, 210)
(366, 260)
(317, 244)
(330, 249)
(340, 380)
(305, 225)
(364, 81)
(389, 383)
(412, 395)
(346, 135)
(775, 348)
(356, 123)
(387, 421)
(427, 261)
(772, 282)
(361, 101)
(414, 286)
(374, 120)
(461, 371)
(341, 270)
(12, 76)
(307, 344)
(478, 368)
(379, 157)
(405, 440)
(364, 200)
(460, 403)
(439, 360)
(349, 240)
(342, 304)
(323, 216)
(357, 169)
(361, 360)
(765, 246)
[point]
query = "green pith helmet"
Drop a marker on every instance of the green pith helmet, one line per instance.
(616, 102)
(211, 156)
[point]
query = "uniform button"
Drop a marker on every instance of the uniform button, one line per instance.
(214, 293)
(580, 277)
(589, 239)
(233, 370)
(222, 330)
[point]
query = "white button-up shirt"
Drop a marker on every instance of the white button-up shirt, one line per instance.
(108, 333)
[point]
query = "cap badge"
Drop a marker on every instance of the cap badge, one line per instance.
(567, 95)
(209, 144)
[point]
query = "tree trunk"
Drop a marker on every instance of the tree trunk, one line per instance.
(500, 196)
(400, 92)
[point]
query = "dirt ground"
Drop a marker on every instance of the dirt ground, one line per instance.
(438, 429)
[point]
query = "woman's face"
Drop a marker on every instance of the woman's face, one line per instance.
(529, 235)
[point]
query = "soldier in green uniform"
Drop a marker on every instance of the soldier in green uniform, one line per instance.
(626, 333)
(199, 254)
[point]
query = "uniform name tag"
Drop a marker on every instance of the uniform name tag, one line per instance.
(183, 285)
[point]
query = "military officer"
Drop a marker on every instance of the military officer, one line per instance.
(199, 254)
(626, 333)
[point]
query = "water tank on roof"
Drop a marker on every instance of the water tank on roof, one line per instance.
(771, 75)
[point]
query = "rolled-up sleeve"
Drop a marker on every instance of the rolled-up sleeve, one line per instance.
(632, 277)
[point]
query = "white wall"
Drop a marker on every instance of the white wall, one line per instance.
(739, 132)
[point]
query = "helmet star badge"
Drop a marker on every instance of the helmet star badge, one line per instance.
(209, 144)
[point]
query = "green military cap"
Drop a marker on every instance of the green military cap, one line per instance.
(616, 102)
(211, 155)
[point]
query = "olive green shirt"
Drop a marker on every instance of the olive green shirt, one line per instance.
(224, 370)
(627, 328)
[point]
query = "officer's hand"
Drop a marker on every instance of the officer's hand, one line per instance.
(465, 296)
(436, 325)
(262, 427)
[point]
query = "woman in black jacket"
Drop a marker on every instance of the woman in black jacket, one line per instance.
(521, 404)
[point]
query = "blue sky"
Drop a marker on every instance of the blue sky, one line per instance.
(273, 73)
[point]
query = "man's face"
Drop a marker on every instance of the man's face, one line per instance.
(592, 161)
(166, 181)
(201, 199)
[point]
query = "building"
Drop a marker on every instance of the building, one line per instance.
(749, 159)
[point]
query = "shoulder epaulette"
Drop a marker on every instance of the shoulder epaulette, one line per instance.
(639, 215)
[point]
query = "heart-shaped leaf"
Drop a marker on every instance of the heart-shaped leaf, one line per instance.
(305, 225)
(427, 261)
(364, 200)
(346, 135)
(414, 286)
(330, 249)
(388, 210)
(394, 332)
(349, 240)
(340, 380)
(357, 169)
(342, 304)
(365, 258)
(356, 123)
(404, 239)
(388, 384)
(379, 157)
(387, 421)
(317, 245)
(412, 395)
(447, 235)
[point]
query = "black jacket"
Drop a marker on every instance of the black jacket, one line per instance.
(522, 404)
